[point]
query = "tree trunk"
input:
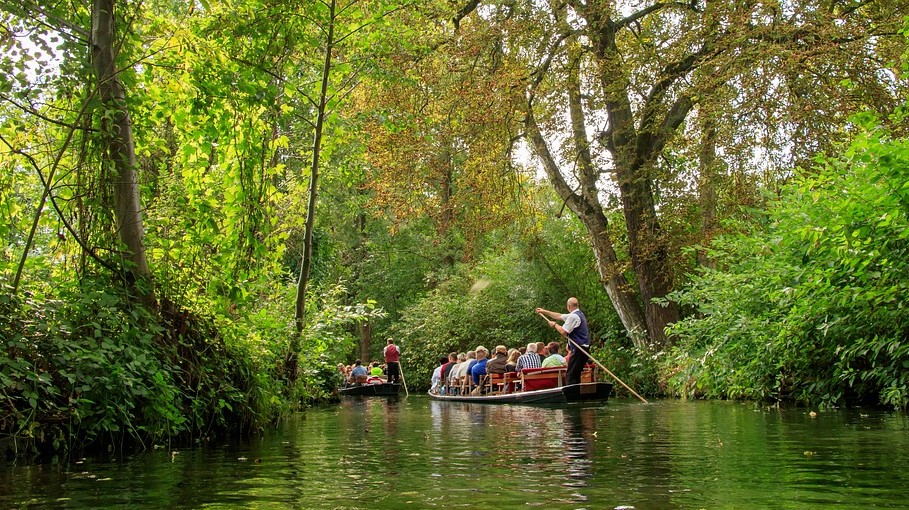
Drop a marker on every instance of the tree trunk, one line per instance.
(120, 146)
(306, 262)
(364, 332)
(446, 161)
(321, 107)
(623, 299)
(634, 150)
(591, 215)
(707, 161)
(649, 255)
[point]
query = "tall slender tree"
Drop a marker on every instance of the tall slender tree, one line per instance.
(117, 131)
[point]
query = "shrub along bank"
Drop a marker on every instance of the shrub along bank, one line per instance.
(809, 303)
(84, 367)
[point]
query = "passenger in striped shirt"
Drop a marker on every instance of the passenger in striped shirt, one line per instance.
(529, 359)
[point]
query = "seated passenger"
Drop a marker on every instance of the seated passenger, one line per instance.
(445, 374)
(437, 375)
(496, 365)
(358, 370)
(479, 368)
(554, 359)
(471, 360)
(464, 367)
(530, 359)
(375, 369)
(342, 374)
(512, 363)
(453, 377)
(542, 352)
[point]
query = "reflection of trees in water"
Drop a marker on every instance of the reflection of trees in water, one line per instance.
(390, 443)
(577, 441)
(535, 448)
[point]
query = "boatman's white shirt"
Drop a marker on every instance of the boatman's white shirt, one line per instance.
(571, 321)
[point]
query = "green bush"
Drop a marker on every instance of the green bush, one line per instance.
(810, 305)
(83, 363)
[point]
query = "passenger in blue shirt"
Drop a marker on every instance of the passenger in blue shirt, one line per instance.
(357, 371)
(478, 370)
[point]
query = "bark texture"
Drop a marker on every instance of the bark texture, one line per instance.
(121, 154)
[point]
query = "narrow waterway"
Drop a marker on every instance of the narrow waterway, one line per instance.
(416, 453)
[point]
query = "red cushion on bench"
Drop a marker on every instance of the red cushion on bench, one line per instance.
(542, 378)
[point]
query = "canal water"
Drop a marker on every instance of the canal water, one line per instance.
(416, 453)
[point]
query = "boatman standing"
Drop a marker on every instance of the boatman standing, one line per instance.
(573, 327)
(392, 358)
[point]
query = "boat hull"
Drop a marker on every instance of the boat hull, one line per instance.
(585, 392)
(371, 390)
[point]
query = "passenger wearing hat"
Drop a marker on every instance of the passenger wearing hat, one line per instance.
(497, 364)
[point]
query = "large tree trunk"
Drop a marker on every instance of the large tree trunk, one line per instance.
(591, 215)
(309, 228)
(321, 107)
(634, 150)
(623, 299)
(649, 255)
(120, 147)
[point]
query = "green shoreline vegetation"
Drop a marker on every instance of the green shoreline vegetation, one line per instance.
(212, 205)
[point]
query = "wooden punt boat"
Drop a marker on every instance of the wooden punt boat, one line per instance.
(371, 390)
(584, 392)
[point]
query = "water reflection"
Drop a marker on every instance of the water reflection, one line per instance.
(580, 429)
(415, 453)
(536, 449)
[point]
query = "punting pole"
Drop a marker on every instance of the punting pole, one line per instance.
(403, 381)
(598, 364)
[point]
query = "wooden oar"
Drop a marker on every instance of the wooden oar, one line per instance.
(598, 363)
(403, 381)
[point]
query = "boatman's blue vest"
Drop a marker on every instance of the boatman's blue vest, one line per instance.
(580, 334)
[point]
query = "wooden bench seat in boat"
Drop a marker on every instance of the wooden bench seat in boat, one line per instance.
(512, 382)
(542, 378)
(587, 373)
(552, 377)
(494, 383)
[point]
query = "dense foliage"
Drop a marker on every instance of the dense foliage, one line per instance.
(809, 303)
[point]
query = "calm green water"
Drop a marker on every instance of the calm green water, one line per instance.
(416, 453)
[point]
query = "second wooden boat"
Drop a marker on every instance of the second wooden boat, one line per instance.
(371, 390)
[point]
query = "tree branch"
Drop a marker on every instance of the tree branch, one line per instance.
(540, 72)
(463, 12)
(637, 16)
(31, 111)
(65, 28)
